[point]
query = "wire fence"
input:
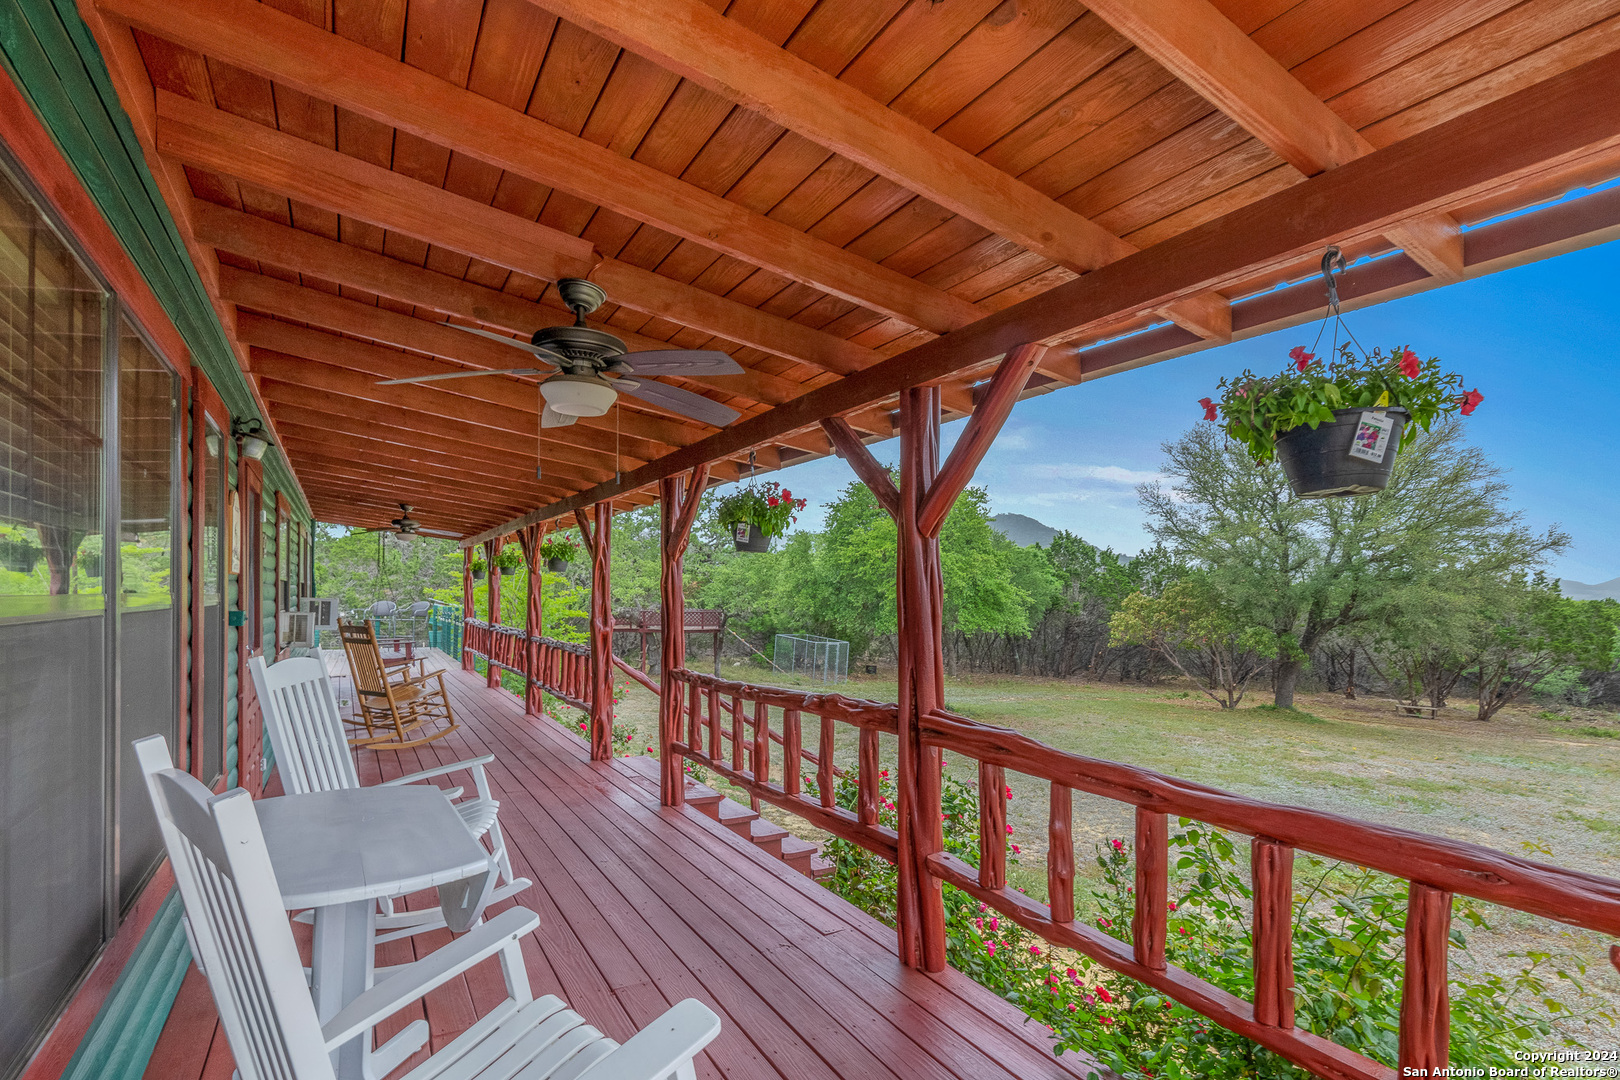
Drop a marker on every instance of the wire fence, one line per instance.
(819, 659)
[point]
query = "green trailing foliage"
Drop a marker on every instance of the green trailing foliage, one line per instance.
(1348, 945)
(559, 548)
(768, 507)
(1254, 410)
(509, 558)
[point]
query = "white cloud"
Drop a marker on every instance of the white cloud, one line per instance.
(1108, 474)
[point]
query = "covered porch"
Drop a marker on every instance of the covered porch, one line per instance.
(642, 907)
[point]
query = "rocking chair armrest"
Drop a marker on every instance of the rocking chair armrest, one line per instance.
(416, 980)
(475, 765)
(662, 1047)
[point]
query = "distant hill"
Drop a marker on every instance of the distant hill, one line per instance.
(1022, 530)
(1578, 590)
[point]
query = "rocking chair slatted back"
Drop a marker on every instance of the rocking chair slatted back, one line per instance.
(244, 941)
(306, 730)
(365, 658)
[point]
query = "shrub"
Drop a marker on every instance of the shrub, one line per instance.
(1349, 927)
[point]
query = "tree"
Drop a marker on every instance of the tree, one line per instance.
(1530, 632)
(1196, 630)
(1307, 568)
(357, 569)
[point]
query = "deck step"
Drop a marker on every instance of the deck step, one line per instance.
(799, 854)
(821, 868)
(701, 796)
(767, 836)
(704, 798)
(735, 816)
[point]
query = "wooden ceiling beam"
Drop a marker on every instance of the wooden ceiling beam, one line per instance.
(691, 38)
(495, 458)
(354, 367)
(415, 423)
(1199, 45)
(217, 141)
(294, 53)
(345, 264)
(1547, 125)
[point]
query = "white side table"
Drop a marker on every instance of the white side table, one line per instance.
(339, 852)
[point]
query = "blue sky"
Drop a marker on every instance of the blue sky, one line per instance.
(1541, 342)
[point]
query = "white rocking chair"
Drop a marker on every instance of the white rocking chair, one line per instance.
(312, 753)
(244, 947)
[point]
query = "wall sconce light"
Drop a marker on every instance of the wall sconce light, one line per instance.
(212, 441)
(251, 437)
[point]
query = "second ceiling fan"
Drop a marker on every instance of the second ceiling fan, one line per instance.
(589, 368)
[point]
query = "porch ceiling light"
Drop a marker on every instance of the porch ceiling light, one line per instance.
(578, 395)
(251, 437)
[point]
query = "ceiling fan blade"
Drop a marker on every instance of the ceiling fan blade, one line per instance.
(550, 417)
(682, 362)
(682, 402)
(442, 532)
(466, 375)
(544, 354)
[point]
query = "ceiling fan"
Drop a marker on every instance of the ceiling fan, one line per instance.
(405, 525)
(589, 368)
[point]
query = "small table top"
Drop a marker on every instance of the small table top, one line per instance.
(338, 847)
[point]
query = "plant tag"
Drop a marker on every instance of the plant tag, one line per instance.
(1371, 440)
(742, 531)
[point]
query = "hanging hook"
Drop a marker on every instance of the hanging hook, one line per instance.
(1333, 260)
(750, 468)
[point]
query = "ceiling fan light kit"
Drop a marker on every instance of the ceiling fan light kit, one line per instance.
(578, 395)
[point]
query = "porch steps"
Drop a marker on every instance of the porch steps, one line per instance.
(802, 855)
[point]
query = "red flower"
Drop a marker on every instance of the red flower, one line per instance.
(772, 501)
(1300, 357)
(1102, 992)
(786, 494)
(1119, 845)
(1017, 850)
(1209, 408)
(1470, 401)
(1411, 366)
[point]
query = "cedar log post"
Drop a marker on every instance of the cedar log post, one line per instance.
(924, 499)
(678, 498)
(600, 543)
(467, 608)
(529, 541)
(492, 549)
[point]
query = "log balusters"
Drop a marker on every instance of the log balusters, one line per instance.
(759, 760)
(866, 799)
(1149, 920)
(1425, 1043)
(792, 751)
(678, 498)
(824, 767)
(1272, 866)
(1060, 855)
(992, 826)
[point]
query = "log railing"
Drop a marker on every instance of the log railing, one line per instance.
(558, 668)
(727, 729)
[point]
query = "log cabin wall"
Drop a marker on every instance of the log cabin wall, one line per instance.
(85, 995)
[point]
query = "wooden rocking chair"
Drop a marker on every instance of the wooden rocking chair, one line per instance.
(392, 706)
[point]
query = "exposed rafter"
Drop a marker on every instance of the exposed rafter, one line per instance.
(1199, 45)
(292, 52)
(693, 39)
(231, 146)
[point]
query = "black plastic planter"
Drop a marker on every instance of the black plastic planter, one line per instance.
(557, 566)
(749, 538)
(478, 575)
(1318, 462)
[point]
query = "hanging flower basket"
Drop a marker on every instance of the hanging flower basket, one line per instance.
(757, 514)
(1336, 428)
(509, 559)
(90, 563)
(478, 568)
(18, 553)
(558, 554)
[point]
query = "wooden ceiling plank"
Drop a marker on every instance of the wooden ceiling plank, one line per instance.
(1563, 119)
(209, 139)
(271, 296)
(694, 40)
(301, 440)
(1204, 49)
(260, 39)
(327, 464)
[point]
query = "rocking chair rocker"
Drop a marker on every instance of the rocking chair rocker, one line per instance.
(393, 706)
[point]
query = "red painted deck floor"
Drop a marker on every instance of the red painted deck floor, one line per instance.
(641, 907)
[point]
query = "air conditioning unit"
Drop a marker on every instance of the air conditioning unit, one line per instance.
(298, 628)
(325, 612)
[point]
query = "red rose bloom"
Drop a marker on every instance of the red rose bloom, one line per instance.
(1300, 357)
(1209, 408)
(1470, 401)
(1411, 366)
